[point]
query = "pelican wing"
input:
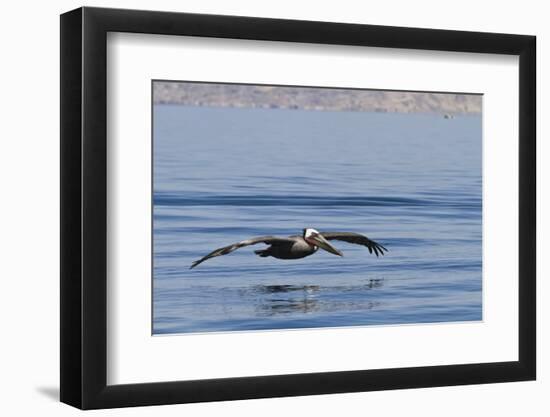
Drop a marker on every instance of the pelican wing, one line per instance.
(356, 238)
(269, 240)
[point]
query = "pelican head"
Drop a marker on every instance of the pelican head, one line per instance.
(314, 238)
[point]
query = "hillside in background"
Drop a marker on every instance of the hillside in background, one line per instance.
(307, 98)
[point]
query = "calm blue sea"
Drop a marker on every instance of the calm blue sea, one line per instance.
(409, 181)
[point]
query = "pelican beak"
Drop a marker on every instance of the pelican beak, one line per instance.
(323, 244)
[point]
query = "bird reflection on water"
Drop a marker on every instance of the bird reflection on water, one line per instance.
(272, 300)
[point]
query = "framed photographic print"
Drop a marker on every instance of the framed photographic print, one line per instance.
(259, 207)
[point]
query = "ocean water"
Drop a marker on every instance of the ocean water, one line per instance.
(411, 182)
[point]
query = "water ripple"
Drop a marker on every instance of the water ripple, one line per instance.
(172, 199)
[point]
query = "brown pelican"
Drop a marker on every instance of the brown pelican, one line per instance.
(296, 247)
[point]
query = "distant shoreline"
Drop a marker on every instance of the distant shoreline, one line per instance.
(312, 98)
(450, 115)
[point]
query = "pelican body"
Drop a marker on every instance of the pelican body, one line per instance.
(297, 247)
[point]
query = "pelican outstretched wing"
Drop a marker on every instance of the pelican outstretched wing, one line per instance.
(356, 238)
(270, 240)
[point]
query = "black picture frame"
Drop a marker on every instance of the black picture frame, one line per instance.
(84, 207)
